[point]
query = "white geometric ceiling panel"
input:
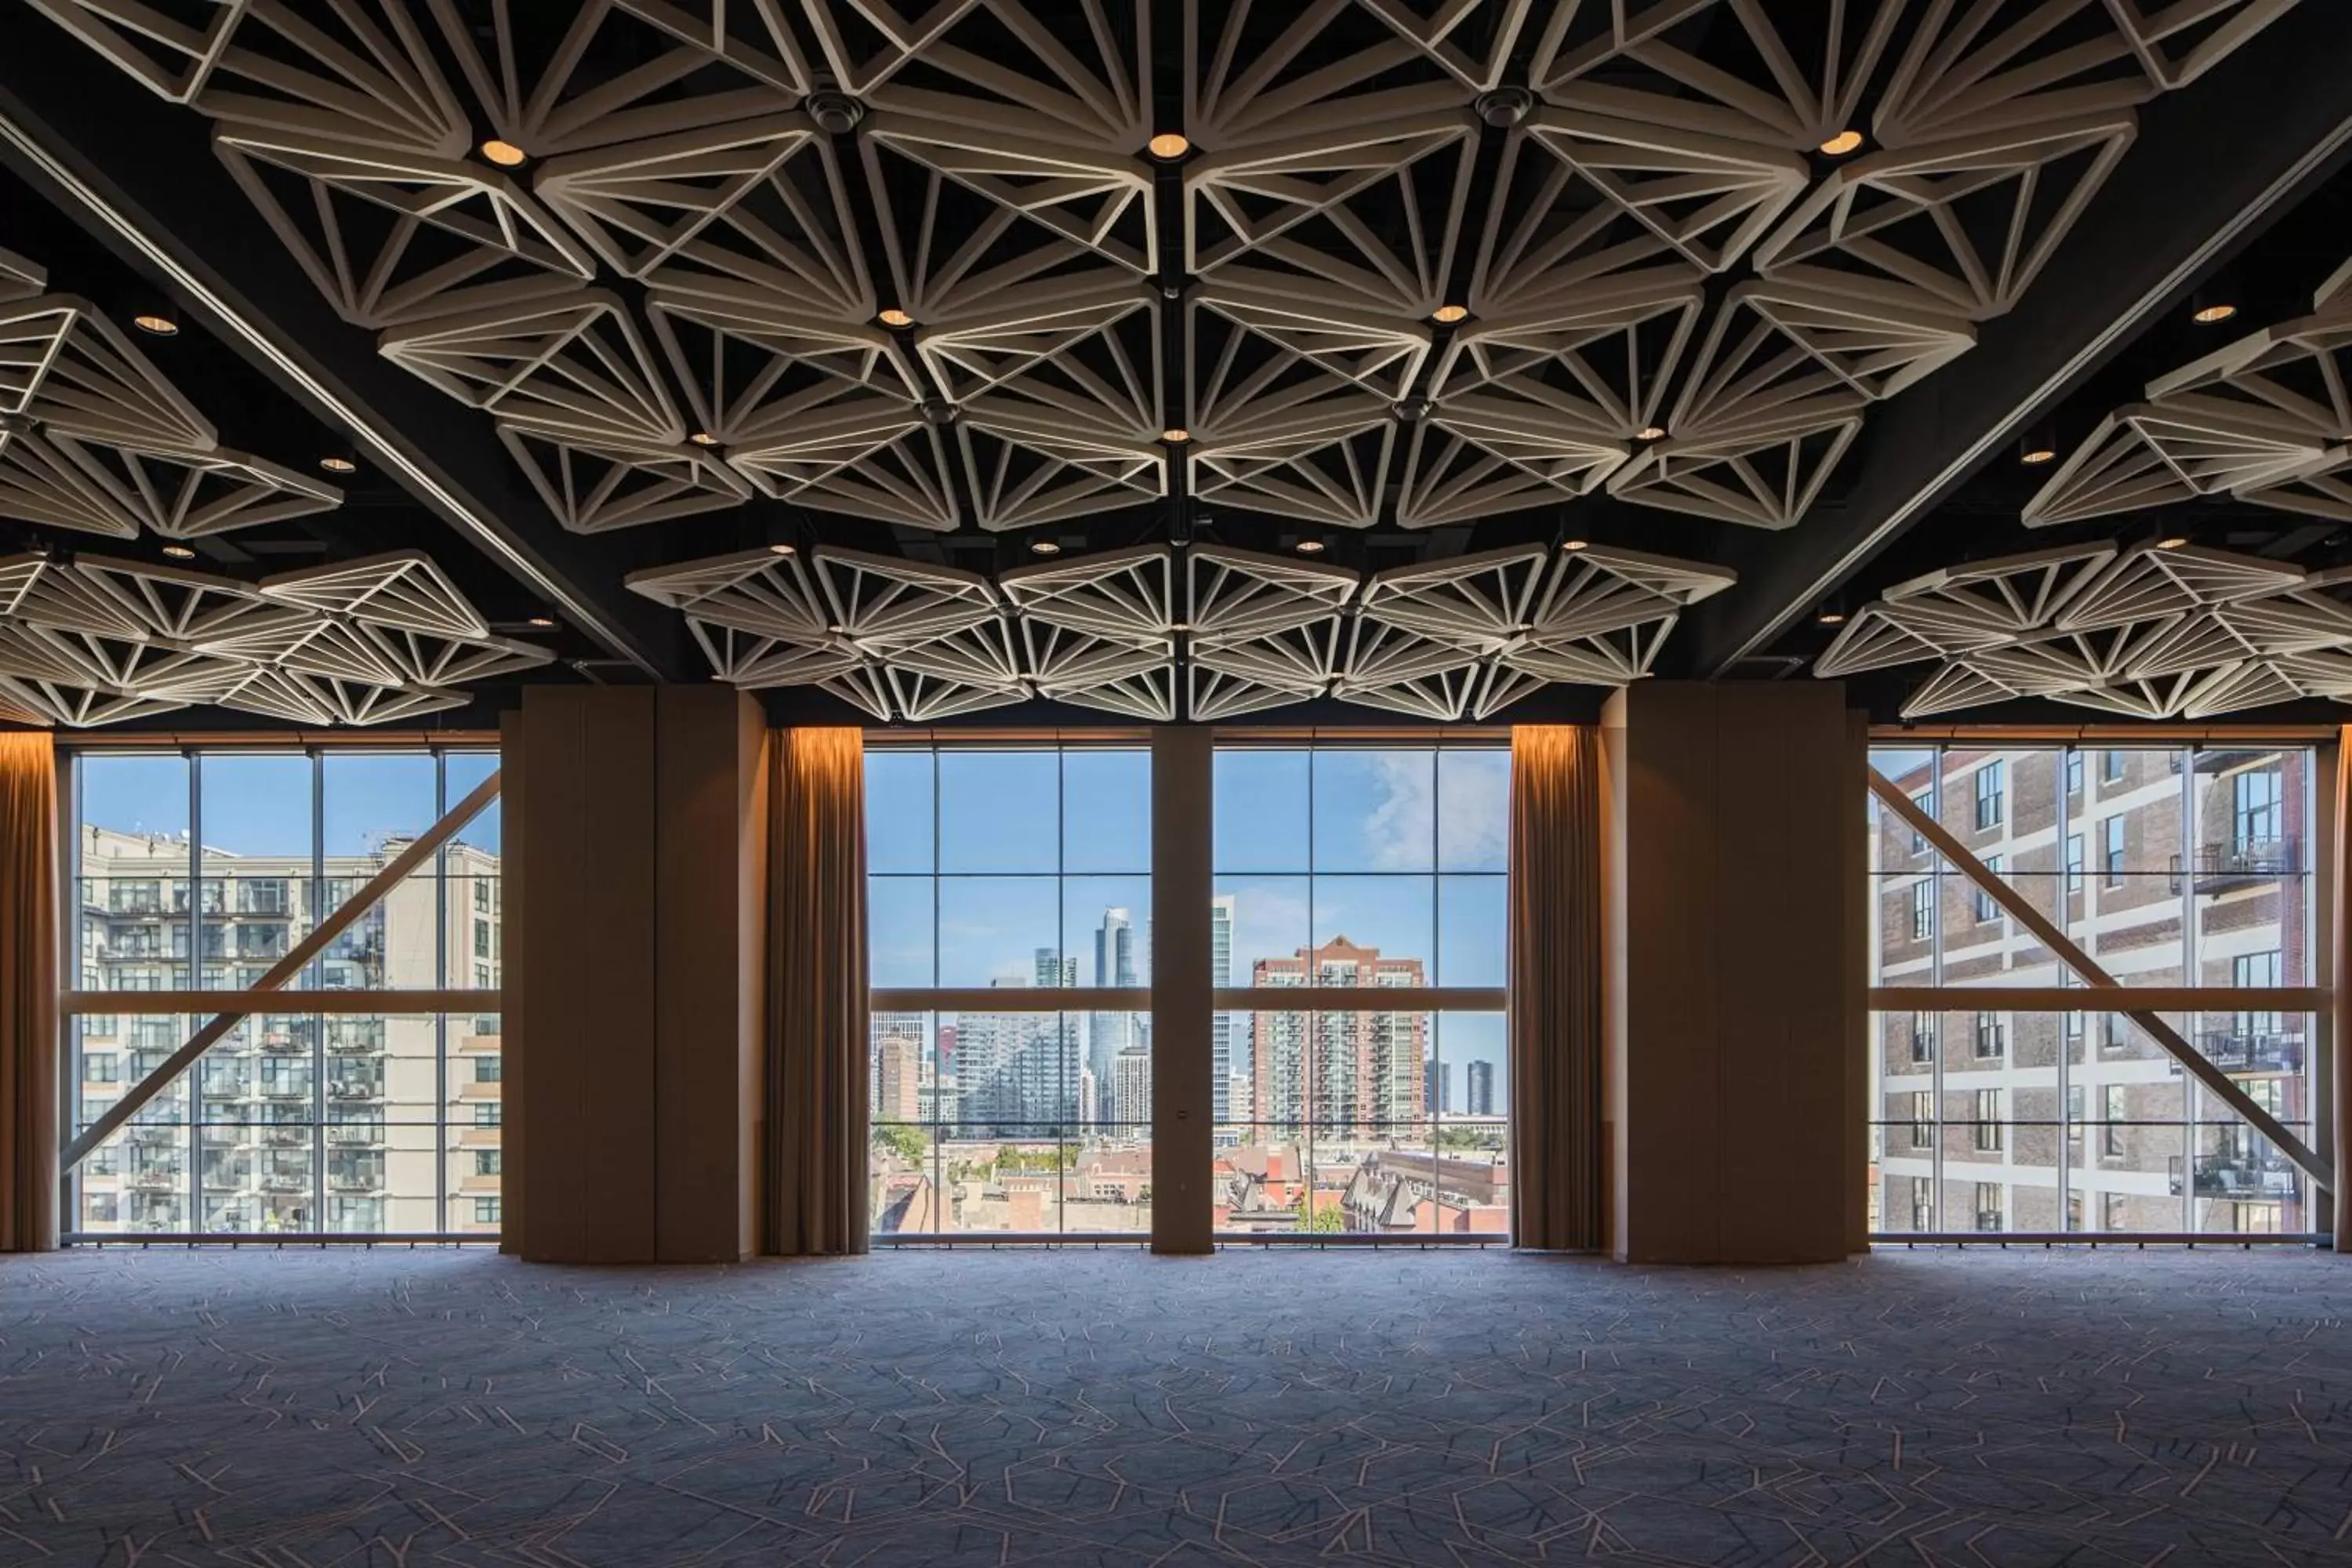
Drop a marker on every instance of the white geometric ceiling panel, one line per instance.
(2150, 633)
(95, 641)
(94, 438)
(903, 261)
(1455, 639)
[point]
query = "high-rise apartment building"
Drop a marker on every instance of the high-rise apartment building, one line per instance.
(1340, 1068)
(1437, 1088)
(1108, 1034)
(1221, 1023)
(899, 1068)
(2176, 868)
(1478, 1083)
(1133, 1092)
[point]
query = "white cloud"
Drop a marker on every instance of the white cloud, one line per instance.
(1397, 830)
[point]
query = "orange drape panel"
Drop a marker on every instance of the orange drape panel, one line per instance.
(1555, 987)
(816, 1046)
(28, 994)
(2341, 1004)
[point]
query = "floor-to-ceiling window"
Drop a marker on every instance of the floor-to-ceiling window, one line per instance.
(197, 872)
(1004, 883)
(2184, 869)
(1345, 874)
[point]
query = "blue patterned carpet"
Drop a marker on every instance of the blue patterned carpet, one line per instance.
(304, 1409)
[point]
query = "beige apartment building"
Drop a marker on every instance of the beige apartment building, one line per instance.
(2172, 868)
(295, 1121)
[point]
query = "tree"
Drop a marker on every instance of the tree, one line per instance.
(1325, 1221)
(908, 1142)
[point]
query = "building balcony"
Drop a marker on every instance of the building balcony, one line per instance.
(285, 1091)
(286, 1138)
(354, 1092)
(154, 1180)
(232, 1090)
(281, 1182)
(2251, 1051)
(354, 1137)
(354, 1047)
(354, 1183)
(2238, 862)
(2267, 1175)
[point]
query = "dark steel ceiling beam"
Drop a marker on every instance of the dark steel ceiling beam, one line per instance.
(2212, 165)
(138, 174)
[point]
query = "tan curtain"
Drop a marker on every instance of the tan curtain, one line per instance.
(1555, 987)
(2340, 1003)
(816, 1110)
(28, 994)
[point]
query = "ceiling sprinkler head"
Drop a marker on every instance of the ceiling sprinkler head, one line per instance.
(1505, 106)
(938, 412)
(834, 111)
(1411, 408)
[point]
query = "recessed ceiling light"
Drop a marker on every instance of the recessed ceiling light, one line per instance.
(836, 630)
(148, 322)
(1180, 625)
(1651, 433)
(1175, 437)
(505, 154)
(2214, 314)
(179, 553)
(1169, 144)
(703, 438)
(541, 622)
(1043, 547)
(2036, 455)
(1844, 141)
(1833, 618)
(1310, 547)
(1574, 545)
(894, 317)
(780, 550)
(2171, 541)
(339, 465)
(1449, 314)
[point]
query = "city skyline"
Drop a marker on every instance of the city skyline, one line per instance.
(1401, 849)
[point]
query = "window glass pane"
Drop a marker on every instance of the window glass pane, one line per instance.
(132, 920)
(1472, 914)
(898, 811)
(998, 811)
(1269, 927)
(372, 805)
(1375, 811)
(977, 1127)
(1106, 931)
(1106, 811)
(256, 809)
(1473, 810)
(898, 913)
(1000, 931)
(1261, 805)
(464, 771)
(1373, 931)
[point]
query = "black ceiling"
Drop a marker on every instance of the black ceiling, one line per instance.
(2237, 180)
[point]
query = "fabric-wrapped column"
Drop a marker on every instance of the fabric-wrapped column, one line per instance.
(1556, 1047)
(816, 1088)
(28, 994)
